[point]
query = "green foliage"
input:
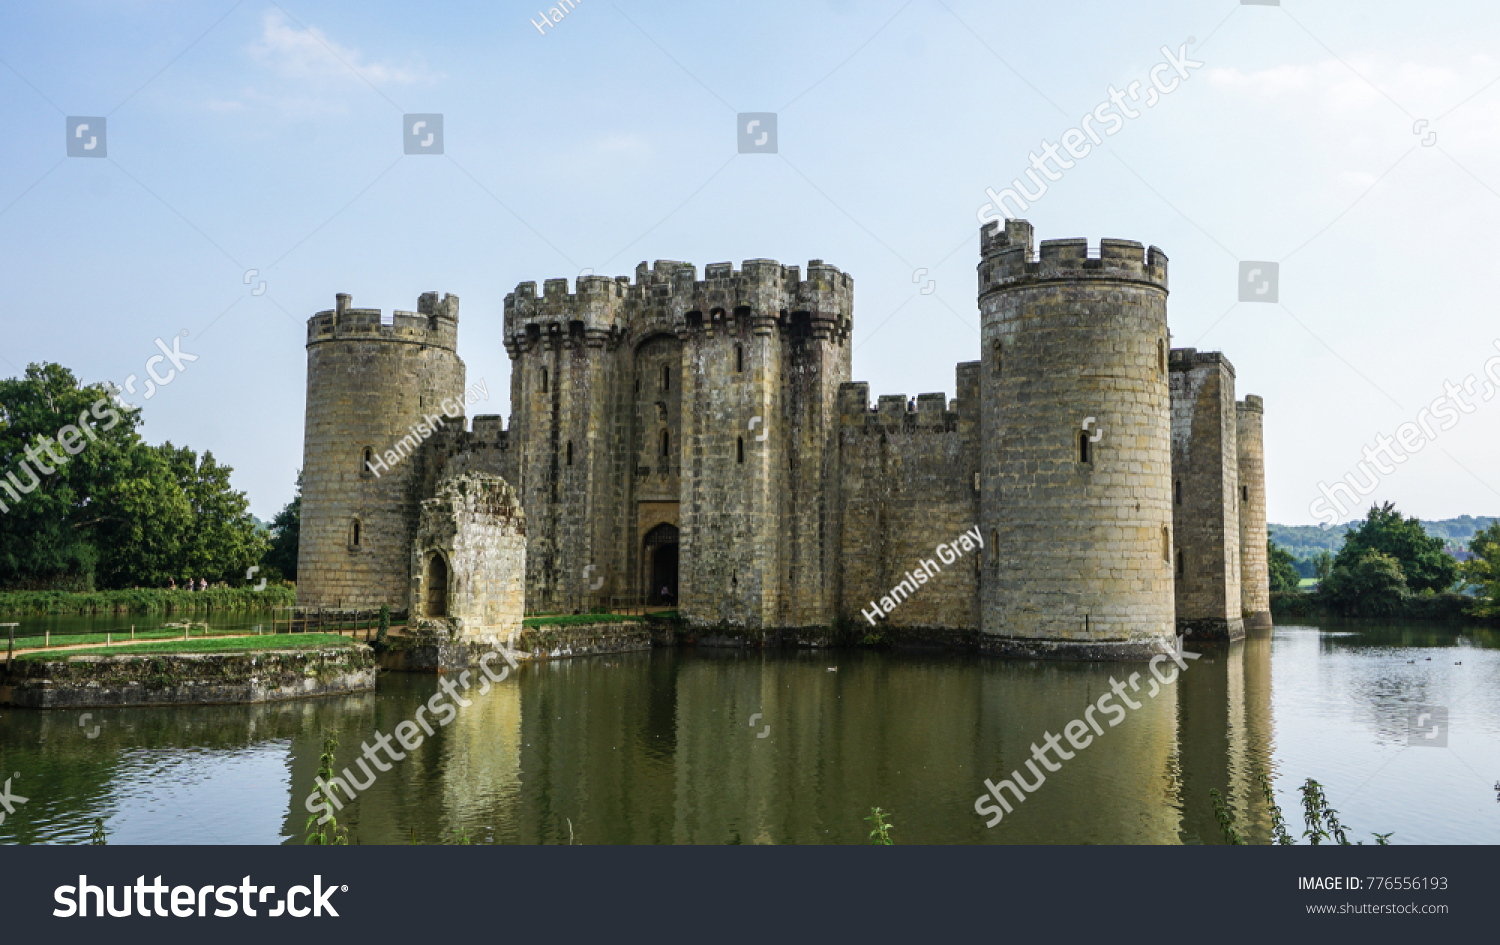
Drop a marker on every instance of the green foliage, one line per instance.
(119, 513)
(144, 601)
(286, 532)
(1482, 572)
(1279, 833)
(329, 833)
(385, 622)
(1371, 586)
(1225, 819)
(1284, 576)
(1323, 565)
(1422, 560)
(97, 837)
(881, 835)
(1322, 821)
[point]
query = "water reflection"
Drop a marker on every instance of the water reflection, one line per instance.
(660, 747)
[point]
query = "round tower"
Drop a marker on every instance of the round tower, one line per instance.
(376, 390)
(1255, 570)
(1075, 500)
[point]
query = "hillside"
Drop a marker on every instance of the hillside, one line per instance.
(1304, 541)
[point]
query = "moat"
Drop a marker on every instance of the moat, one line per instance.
(660, 747)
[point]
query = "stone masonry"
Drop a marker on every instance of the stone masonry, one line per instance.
(699, 443)
(1206, 495)
(468, 562)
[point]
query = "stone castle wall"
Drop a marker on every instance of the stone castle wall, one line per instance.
(906, 484)
(472, 535)
(701, 406)
(370, 384)
(1075, 455)
(1255, 573)
(712, 425)
(1206, 495)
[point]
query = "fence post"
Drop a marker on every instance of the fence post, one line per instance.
(132, 632)
(46, 638)
(108, 638)
(10, 652)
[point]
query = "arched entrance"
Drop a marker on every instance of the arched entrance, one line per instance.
(435, 588)
(659, 560)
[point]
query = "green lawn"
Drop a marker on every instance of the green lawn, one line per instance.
(115, 636)
(1307, 582)
(278, 641)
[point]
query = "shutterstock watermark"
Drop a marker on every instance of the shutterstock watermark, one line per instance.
(1078, 734)
(408, 733)
(73, 438)
(1165, 78)
(1390, 452)
(417, 433)
(179, 358)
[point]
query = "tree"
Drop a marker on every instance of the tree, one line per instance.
(1323, 564)
(1370, 587)
(119, 511)
(286, 533)
(51, 495)
(1284, 576)
(1482, 571)
(1421, 558)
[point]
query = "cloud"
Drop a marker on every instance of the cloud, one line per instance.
(307, 55)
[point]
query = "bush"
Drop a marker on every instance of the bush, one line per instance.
(1372, 586)
(144, 600)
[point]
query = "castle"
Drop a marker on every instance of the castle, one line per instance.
(700, 443)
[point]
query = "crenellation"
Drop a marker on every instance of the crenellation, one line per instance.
(699, 443)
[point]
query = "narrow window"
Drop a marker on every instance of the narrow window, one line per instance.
(544, 380)
(1166, 545)
(369, 455)
(570, 452)
(666, 377)
(1083, 447)
(739, 359)
(976, 480)
(1181, 567)
(666, 443)
(354, 534)
(1244, 493)
(998, 353)
(739, 447)
(1161, 356)
(994, 548)
(637, 385)
(1177, 492)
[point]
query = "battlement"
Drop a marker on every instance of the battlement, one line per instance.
(762, 295)
(927, 412)
(1252, 403)
(1185, 359)
(1006, 258)
(434, 323)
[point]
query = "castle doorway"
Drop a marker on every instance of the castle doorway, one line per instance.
(660, 557)
(435, 588)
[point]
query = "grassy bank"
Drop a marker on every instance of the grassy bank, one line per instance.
(143, 601)
(570, 620)
(1440, 608)
(279, 641)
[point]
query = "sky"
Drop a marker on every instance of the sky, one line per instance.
(1351, 144)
